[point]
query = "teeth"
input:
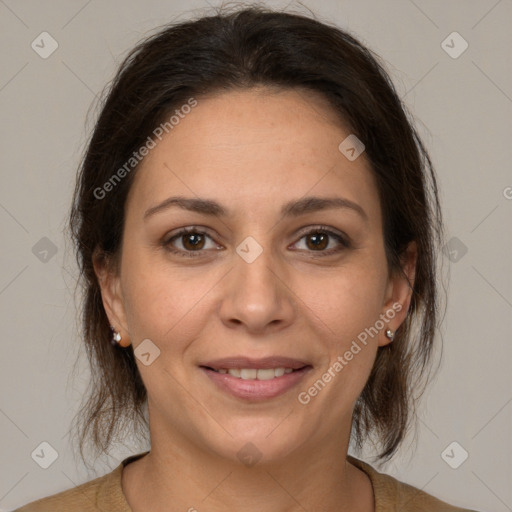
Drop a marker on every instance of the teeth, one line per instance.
(267, 374)
(253, 373)
(247, 374)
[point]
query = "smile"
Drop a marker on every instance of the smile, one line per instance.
(255, 384)
(255, 373)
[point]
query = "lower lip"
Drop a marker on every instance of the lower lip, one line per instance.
(254, 389)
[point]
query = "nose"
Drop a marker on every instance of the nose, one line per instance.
(257, 296)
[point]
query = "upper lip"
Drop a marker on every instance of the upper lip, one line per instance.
(246, 362)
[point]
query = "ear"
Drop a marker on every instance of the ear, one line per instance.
(111, 294)
(399, 292)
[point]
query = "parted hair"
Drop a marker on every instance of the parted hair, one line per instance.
(235, 48)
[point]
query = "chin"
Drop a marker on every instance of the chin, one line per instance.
(264, 441)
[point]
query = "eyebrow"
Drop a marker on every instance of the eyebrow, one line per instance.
(292, 208)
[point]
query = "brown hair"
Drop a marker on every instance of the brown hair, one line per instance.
(243, 48)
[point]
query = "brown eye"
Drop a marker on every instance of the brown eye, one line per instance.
(192, 241)
(318, 240)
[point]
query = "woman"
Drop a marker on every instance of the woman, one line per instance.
(256, 223)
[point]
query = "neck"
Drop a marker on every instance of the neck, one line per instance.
(319, 479)
(315, 476)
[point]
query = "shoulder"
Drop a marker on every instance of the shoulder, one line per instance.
(391, 494)
(103, 493)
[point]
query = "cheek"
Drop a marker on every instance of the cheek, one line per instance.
(348, 305)
(347, 300)
(347, 312)
(160, 300)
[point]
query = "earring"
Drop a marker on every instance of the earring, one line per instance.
(390, 334)
(116, 337)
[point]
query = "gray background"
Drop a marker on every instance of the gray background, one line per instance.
(463, 106)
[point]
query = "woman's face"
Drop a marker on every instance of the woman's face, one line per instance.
(251, 282)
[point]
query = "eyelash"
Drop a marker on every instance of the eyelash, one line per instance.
(194, 254)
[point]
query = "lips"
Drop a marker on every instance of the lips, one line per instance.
(251, 379)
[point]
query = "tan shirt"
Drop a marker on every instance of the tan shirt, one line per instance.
(105, 494)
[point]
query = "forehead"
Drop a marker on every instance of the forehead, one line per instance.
(255, 145)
